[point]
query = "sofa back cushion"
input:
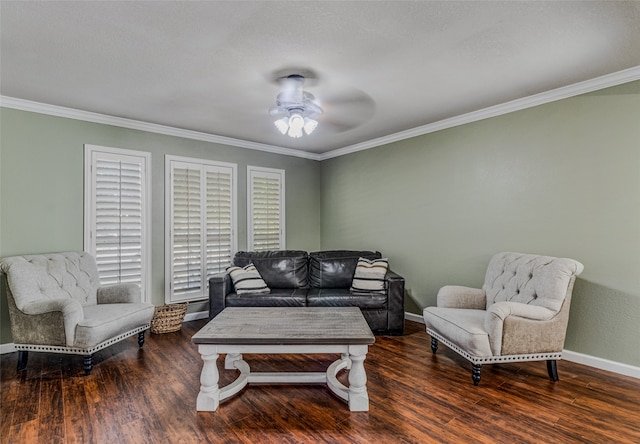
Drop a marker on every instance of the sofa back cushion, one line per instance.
(529, 279)
(279, 269)
(335, 268)
(35, 278)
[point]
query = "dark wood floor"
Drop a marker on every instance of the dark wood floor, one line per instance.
(148, 396)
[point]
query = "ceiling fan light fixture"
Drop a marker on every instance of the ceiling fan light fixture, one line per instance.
(282, 125)
(309, 125)
(296, 122)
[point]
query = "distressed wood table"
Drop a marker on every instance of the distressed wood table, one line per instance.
(291, 330)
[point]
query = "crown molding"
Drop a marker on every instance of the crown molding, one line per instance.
(71, 113)
(606, 81)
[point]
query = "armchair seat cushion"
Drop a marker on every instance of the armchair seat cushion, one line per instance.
(343, 297)
(463, 327)
(104, 321)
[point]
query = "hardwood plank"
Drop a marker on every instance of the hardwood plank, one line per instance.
(51, 409)
(24, 432)
(149, 396)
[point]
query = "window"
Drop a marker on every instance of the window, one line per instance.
(265, 209)
(117, 215)
(200, 221)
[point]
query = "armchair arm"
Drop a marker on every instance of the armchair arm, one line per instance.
(395, 302)
(71, 310)
(219, 287)
(119, 294)
(457, 296)
(498, 314)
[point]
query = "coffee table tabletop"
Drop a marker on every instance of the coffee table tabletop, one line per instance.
(286, 325)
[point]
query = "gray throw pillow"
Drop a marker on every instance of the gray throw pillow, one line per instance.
(247, 280)
(369, 276)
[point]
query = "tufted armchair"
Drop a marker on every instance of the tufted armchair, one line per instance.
(57, 305)
(520, 314)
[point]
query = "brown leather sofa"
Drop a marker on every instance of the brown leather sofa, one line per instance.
(318, 279)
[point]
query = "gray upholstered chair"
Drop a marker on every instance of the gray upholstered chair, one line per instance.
(57, 305)
(520, 314)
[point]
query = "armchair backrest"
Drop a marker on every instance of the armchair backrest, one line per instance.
(34, 278)
(530, 279)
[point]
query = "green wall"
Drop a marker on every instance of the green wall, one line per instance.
(41, 188)
(560, 179)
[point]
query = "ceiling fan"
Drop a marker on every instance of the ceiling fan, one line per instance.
(298, 112)
(295, 108)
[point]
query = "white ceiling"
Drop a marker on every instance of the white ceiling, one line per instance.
(210, 66)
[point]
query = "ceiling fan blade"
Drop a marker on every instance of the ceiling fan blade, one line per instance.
(347, 110)
(277, 112)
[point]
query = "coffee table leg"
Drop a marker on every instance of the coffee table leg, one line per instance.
(209, 397)
(358, 396)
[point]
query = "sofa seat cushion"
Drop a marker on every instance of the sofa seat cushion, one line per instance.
(105, 321)
(335, 268)
(463, 327)
(342, 297)
(279, 297)
(279, 269)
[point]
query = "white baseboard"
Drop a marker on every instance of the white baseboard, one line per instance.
(413, 317)
(602, 364)
(196, 315)
(579, 358)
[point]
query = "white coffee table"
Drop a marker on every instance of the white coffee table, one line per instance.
(291, 330)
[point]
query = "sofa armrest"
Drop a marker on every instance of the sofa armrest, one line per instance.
(71, 310)
(498, 313)
(119, 294)
(457, 296)
(220, 286)
(394, 284)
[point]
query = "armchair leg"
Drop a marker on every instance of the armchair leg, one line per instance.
(141, 339)
(434, 345)
(23, 356)
(552, 369)
(88, 364)
(475, 373)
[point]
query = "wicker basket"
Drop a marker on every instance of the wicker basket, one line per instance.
(168, 318)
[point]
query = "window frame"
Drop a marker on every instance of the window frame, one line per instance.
(256, 171)
(172, 162)
(93, 153)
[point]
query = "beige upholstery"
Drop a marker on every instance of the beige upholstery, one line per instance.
(520, 314)
(56, 305)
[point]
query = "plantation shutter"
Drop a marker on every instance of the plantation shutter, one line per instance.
(187, 232)
(266, 209)
(116, 206)
(219, 222)
(202, 217)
